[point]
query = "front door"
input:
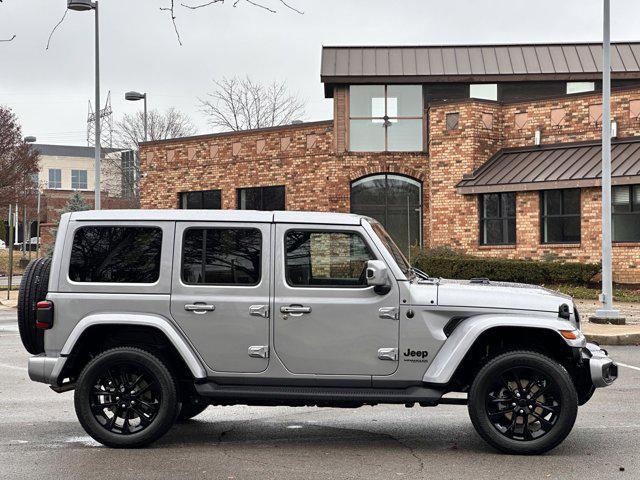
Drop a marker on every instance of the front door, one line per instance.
(327, 320)
(220, 293)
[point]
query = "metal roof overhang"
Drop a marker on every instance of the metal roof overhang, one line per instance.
(569, 165)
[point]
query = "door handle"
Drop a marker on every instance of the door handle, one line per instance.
(199, 308)
(295, 310)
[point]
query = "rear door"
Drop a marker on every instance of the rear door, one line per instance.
(327, 320)
(220, 292)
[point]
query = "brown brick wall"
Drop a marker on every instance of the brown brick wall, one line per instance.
(454, 218)
(310, 160)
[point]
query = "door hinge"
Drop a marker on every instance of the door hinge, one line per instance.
(390, 313)
(388, 354)
(259, 351)
(259, 311)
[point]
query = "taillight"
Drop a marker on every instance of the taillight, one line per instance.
(44, 314)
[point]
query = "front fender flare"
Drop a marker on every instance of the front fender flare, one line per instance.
(160, 323)
(453, 351)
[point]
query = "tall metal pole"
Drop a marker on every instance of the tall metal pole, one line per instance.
(607, 310)
(97, 110)
(145, 117)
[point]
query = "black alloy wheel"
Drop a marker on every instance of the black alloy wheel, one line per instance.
(126, 398)
(523, 402)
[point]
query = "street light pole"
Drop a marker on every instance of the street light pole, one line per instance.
(134, 97)
(606, 313)
(82, 6)
(97, 111)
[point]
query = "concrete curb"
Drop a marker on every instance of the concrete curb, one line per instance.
(623, 339)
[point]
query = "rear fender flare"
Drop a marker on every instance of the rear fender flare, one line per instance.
(184, 349)
(462, 339)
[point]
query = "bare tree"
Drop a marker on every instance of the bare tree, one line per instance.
(129, 132)
(264, 5)
(18, 160)
(242, 104)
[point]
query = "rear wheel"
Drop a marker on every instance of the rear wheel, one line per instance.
(33, 288)
(523, 403)
(126, 397)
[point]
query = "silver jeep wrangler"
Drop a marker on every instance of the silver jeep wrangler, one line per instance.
(152, 316)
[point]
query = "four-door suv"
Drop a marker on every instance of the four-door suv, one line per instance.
(151, 316)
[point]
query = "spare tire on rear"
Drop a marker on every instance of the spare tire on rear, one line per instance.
(33, 288)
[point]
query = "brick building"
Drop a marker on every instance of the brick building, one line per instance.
(493, 150)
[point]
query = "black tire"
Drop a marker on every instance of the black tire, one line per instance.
(190, 410)
(146, 416)
(33, 288)
(523, 403)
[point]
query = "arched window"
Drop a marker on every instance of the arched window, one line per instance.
(395, 201)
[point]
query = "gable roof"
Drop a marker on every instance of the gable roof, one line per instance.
(564, 165)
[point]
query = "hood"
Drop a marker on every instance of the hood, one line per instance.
(499, 295)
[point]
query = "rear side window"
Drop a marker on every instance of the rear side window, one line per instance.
(326, 259)
(116, 255)
(221, 256)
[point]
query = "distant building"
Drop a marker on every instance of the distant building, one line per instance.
(488, 149)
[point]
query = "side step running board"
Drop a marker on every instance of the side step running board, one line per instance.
(273, 395)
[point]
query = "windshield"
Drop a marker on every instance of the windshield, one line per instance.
(393, 249)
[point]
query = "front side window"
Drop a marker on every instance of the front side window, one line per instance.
(79, 179)
(626, 213)
(116, 255)
(326, 259)
(261, 198)
(385, 118)
(498, 219)
(484, 91)
(55, 178)
(560, 216)
(221, 256)
(202, 200)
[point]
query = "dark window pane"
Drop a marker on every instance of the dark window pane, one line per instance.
(220, 256)
(368, 191)
(494, 232)
(273, 198)
(509, 205)
(491, 205)
(395, 201)
(571, 202)
(212, 200)
(571, 232)
(626, 228)
(511, 231)
(116, 255)
(553, 230)
(261, 198)
(326, 259)
(552, 202)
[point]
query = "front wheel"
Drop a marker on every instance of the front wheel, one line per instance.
(523, 403)
(126, 398)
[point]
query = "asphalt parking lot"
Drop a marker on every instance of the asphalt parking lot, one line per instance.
(41, 439)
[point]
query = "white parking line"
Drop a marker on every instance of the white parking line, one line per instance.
(628, 366)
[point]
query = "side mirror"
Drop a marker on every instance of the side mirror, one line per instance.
(377, 275)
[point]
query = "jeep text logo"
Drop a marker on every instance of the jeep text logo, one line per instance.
(416, 353)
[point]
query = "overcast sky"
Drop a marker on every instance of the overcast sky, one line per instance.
(49, 90)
